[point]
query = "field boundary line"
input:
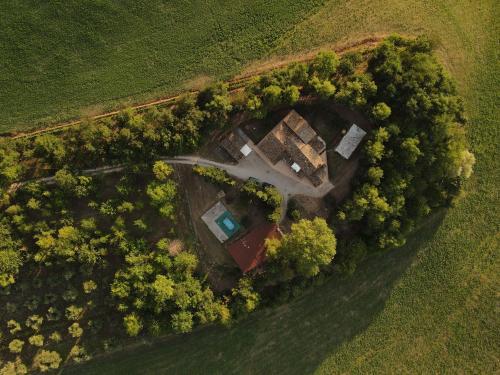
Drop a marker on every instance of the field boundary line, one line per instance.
(235, 84)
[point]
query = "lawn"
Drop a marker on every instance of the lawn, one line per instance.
(65, 59)
(430, 307)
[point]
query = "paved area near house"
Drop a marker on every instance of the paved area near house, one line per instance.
(210, 218)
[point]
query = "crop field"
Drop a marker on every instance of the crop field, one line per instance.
(430, 307)
(66, 59)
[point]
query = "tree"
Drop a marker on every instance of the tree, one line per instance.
(375, 148)
(10, 166)
(75, 330)
(34, 322)
(291, 94)
(325, 65)
(272, 95)
(16, 346)
(324, 88)
(10, 256)
(55, 337)
(36, 340)
(13, 326)
(46, 360)
(375, 174)
(381, 111)
(132, 324)
(51, 148)
(245, 298)
(163, 196)
(309, 245)
(163, 289)
(14, 368)
(357, 91)
(89, 286)
(74, 312)
(182, 322)
(162, 170)
(216, 104)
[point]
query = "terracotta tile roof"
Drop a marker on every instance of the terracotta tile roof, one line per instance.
(250, 250)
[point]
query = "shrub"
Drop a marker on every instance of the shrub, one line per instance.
(214, 174)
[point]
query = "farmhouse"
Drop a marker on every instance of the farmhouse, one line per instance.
(350, 141)
(294, 142)
(220, 221)
(250, 250)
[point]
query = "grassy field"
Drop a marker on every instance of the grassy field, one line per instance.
(430, 307)
(70, 58)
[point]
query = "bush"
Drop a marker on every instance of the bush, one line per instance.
(214, 174)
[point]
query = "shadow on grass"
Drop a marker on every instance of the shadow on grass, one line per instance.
(294, 338)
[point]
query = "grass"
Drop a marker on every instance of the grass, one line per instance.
(429, 307)
(65, 59)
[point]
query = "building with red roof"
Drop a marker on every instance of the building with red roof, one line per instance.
(249, 251)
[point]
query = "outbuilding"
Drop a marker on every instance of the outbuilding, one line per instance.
(350, 141)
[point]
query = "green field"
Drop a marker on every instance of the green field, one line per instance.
(430, 307)
(64, 59)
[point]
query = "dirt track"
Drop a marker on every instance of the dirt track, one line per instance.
(234, 85)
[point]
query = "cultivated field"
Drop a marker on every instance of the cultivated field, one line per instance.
(67, 59)
(428, 307)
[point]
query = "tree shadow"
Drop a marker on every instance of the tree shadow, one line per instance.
(292, 339)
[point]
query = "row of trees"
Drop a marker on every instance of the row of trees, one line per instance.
(326, 77)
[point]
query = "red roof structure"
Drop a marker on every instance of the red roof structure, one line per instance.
(250, 250)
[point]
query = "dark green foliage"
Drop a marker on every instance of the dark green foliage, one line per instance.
(416, 163)
(215, 102)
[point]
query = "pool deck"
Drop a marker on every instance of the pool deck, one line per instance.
(210, 218)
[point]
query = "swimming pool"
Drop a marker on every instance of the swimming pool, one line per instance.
(227, 223)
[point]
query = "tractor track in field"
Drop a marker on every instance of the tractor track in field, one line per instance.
(234, 84)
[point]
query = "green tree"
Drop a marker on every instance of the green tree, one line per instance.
(309, 245)
(163, 289)
(132, 324)
(13, 326)
(10, 165)
(182, 322)
(14, 368)
(324, 88)
(46, 360)
(324, 65)
(36, 340)
(16, 346)
(163, 196)
(272, 95)
(245, 298)
(74, 312)
(75, 330)
(10, 256)
(162, 170)
(51, 148)
(381, 111)
(291, 94)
